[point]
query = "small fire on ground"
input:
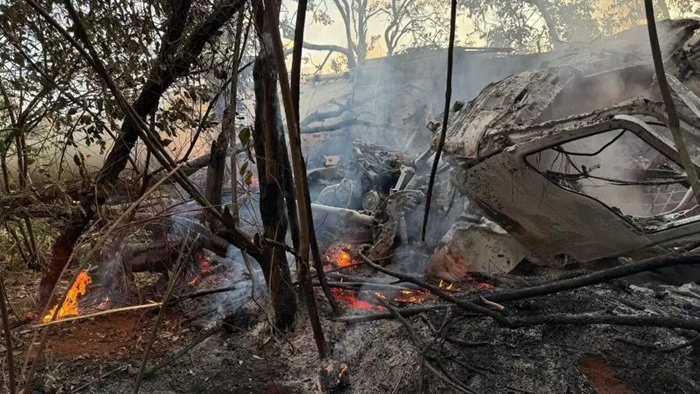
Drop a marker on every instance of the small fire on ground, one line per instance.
(340, 256)
(70, 306)
(204, 270)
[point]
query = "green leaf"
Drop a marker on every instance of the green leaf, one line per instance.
(244, 136)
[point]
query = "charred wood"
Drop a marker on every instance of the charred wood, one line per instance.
(590, 279)
(405, 312)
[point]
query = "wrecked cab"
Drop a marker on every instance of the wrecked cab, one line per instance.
(575, 161)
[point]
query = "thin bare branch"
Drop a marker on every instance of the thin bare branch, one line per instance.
(673, 121)
(445, 116)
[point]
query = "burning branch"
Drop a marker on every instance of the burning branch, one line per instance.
(563, 285)
(466, 305)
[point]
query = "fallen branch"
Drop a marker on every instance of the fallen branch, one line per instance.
(361, 279)
(590, 279)
(366, 286)
(202, 293)
(103, 376)
(681, 346)
(181, 352)
(589, 318)
(467, 343)
(395, 312)
(353, 265)
(467, 305)
(343, 213)
(350, 279)
(567, 284)
(101, 313)
(403, 322)
(405, 312)
(341, 125)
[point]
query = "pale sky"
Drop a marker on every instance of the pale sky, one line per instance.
(334, 34)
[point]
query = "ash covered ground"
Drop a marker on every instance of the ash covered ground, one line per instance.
(242, 356)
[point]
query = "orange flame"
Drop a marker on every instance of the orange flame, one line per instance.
(449, 286)
(70, 305)
(340, 255)
(353, 302)
(343, 258)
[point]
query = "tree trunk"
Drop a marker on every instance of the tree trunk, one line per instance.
(548, 21)
(361, 48)
(215, 176)
(663, 6)
(269, 149)
(166, 70)
(228, 123)
(344, 10)
(61, 251)
(170, 65)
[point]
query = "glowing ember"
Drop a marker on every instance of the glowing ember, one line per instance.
(412, 296)
(70, 305)
(343, 258)
(479, 285)
(204, 265)
(349, 298)
(339, 254)
(449, 286)
(204, 269)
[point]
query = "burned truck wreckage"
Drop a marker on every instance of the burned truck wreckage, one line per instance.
(559, 185)
(568, 163)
